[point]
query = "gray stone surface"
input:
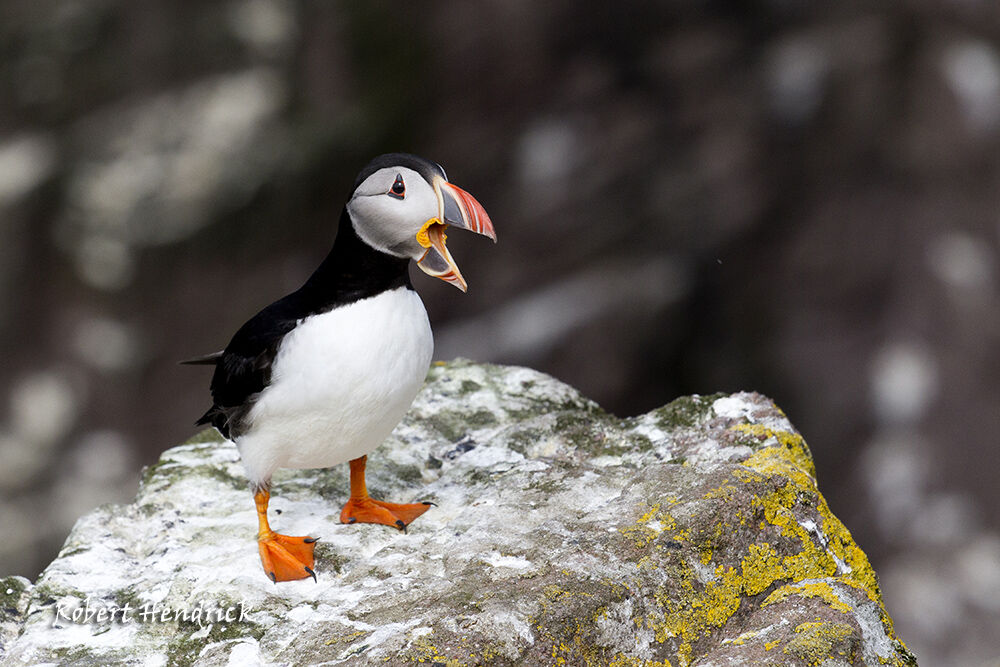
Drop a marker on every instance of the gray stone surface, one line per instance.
(692, 535)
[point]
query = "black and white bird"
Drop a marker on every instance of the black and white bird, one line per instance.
(323, 375)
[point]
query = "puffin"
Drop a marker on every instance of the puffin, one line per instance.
(323, 375)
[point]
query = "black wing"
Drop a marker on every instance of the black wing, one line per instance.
(243, 369)
(353, 270)
(205, 360)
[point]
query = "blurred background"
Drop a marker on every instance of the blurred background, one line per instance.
(799, 198)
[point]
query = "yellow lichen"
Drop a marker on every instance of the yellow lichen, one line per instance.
(569, 640)
(744, 636)
(629, 661)
(793, 461)
(816, 641)
(423, 651)
(346, 638)
(761, 567)
(789, 550)
(814, 589)
(793, 448)
(700, 609)
(748, 475)
(649, 526)
(697, 612)
(724, 491)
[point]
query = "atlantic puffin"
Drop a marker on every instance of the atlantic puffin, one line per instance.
(322, 375)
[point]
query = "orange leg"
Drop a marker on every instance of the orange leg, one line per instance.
(360, 508)
(284, 558)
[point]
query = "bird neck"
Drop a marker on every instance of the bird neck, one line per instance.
(354, 270)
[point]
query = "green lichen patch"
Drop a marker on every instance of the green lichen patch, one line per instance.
(408, 475)
(151, 472)
(128, 596)
(220, 474)
(453, 425)
(47, 593)
(442, 369)
(191, 639)
(685, 412)
(205, 436)
(12, 590)
(327, 557)
(15, 594)
(77, 655)
(521, 438)
(588, 433)
(548, 485)
(330, 484)
(171, 469)
(76, 550)
(468, 387)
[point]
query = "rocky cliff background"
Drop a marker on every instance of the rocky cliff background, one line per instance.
(795, 198)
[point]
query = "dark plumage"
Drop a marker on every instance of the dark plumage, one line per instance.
(351, 271)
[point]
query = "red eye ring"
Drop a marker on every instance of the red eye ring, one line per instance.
(398, 189)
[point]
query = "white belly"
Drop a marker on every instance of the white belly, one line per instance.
(340, 383)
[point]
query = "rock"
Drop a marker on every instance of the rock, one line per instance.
(691, 535)
(15, 592)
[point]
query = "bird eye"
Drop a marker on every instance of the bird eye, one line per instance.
(398, 189)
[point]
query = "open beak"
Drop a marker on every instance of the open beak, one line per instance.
(457, 208)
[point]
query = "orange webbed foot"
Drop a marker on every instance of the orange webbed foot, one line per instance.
(287, 558)
(363, 509)
(369, 510)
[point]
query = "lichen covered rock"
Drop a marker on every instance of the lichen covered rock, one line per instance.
(692, 535)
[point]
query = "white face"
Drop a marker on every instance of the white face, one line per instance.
(389, 220)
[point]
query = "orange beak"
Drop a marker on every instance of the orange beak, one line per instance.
(458, 208)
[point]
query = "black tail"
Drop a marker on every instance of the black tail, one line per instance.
(206, 418)
(216, 416)
(206, 360)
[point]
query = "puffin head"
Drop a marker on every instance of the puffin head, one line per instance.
(402, 204)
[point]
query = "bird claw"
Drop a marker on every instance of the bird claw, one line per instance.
(286, 558)
(369, 510)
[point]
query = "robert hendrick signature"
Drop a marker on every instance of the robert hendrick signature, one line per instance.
(151, 612)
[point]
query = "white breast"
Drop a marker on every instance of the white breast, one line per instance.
(340, 383)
